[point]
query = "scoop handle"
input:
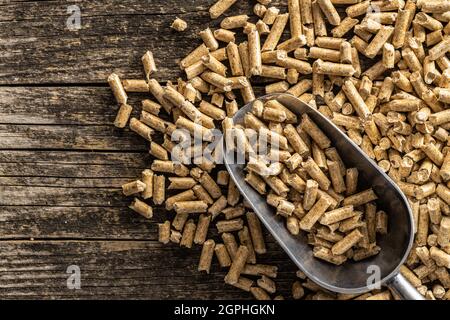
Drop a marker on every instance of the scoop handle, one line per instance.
(403, 289)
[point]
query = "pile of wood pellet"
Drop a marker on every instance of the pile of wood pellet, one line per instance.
(318, 195)
(378, 69)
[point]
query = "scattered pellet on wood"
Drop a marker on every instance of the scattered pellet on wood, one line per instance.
(134, 85)
(259, 293)
(217, 207)
(395, 110)
(220, 7)
(181, 183)
(329, 11)
(164, 232)
(117, 89)
(141, 129)
(297, 290)
(190, 207)
(159, 185)
(149, 64)
(158, 151)
(237, 266)
(245, 239)
(254, 226)
(267, 284)
(175, 236)
(223, 178)
(229, 225)
(206, 256)
(133, 187)
(179, 25)
(142, 208)
(222, 255)
(147, 179)
(188, 234)
(123, 115)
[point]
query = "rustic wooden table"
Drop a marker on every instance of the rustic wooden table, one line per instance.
(62, 162)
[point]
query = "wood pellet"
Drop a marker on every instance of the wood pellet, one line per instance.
(344, 222)
(381, 76)
(179, 25)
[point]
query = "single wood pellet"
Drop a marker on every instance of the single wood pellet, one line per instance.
(237, 266)
(230, 243)
(117, 89)
(133, 187)
(187, 238)
(141, 208)
(123, 115)
(395, 110)
(159, 183)
(179, 25)
(147, 179)
(164, 232)
(202, 229)
(206, 256)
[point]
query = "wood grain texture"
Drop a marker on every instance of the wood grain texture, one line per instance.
(88, 106)
(116, 270)
(64, 118)
(113, 36)
(111, 168)
(68, 137)
(67, 198)
(47, 222)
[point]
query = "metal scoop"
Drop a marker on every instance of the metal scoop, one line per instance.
(350, 277)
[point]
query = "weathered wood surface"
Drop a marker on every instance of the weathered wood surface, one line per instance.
(62, 162)
(37, 47)
(69, 202)
(115, 269)
(63, 118)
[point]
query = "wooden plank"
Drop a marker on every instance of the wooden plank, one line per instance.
(69, 137)
(70, 169)
(112, 159)
(78, 213)
(119, 270)
(51, 194)
(53, 222)
(64, 118)
(87, 106)
(81, 223)
(62, 105)
(67, 118)
(113, 36)
(79, 165)
(66, 182)
(57, 196)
